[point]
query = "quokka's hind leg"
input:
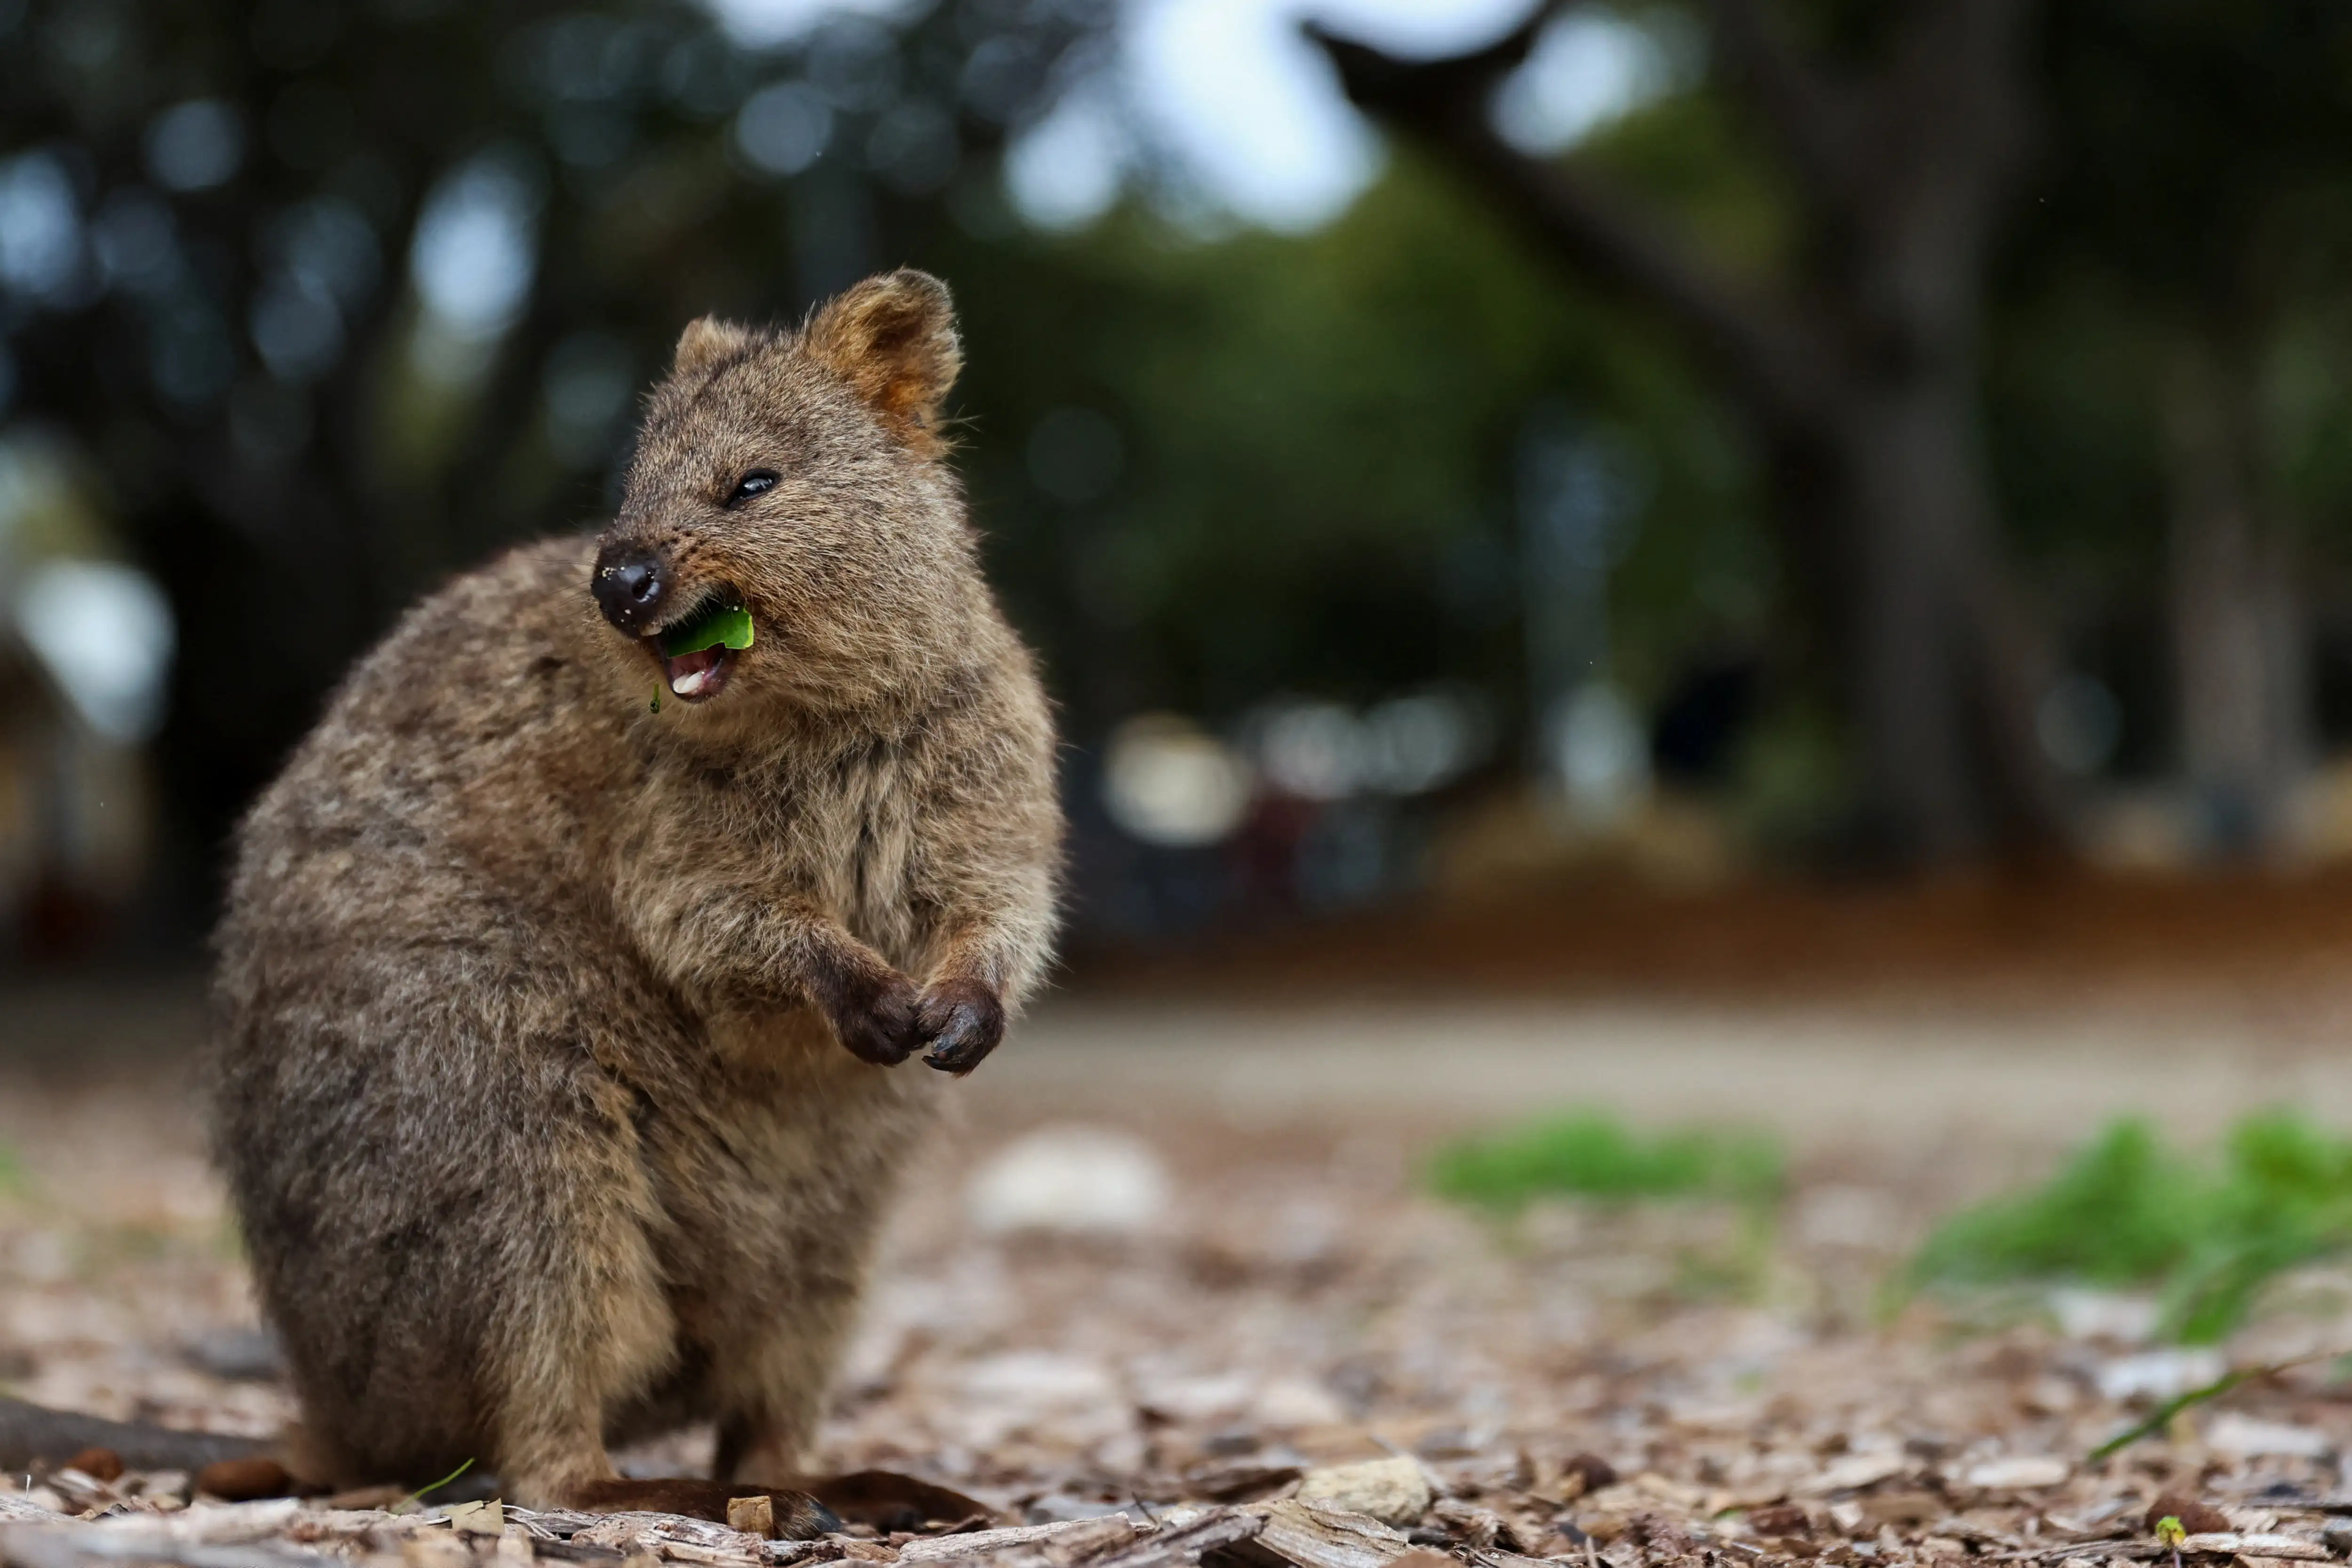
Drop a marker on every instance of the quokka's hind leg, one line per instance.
(579, 1327)
(771, 1388)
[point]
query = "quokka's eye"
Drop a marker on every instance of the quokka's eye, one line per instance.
(759, 481)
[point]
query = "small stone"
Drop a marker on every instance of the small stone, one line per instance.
(101, 1464)
(1393, 1491)
(2023, 1472)
(2195, 1518)
(2244, 1438)
(1852, 1473)
(245, 1480)
(434, 1549)
(1076, 1180)
(1585, 1473)
(752, 1515)
(2159, 1374)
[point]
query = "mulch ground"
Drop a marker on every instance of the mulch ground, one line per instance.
(1662, 1384)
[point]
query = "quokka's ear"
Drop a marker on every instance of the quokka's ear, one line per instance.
(706, 341)
(893, 338)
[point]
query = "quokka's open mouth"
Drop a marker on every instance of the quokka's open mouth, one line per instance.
(697, 651)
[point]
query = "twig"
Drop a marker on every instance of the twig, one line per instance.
(2162, 1415)
(433, 1487)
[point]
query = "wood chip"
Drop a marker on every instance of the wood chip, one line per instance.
(218, 1524)
(1901, 1508)
(1482, 1558)
(2233, 1544)
(74, 1545)
(673, 1537)
(1851, 1473)
(1218, 1529)
(1238, 1480)
(1112, 1531)
(1309, 1537)
(789, 1554)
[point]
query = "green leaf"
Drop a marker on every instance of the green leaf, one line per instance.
(731, 628)
(421, 1493)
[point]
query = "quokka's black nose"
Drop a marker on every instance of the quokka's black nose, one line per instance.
(629, 585)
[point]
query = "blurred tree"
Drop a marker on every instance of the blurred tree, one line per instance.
(334, 295)
(1286, 462)
(1896, 132)
(2189, 243)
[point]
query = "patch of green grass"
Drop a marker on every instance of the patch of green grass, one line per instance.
(2131, 1211)
(1591, 1155)
(13, 1179)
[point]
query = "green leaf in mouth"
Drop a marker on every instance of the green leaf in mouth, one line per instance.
(730, 626)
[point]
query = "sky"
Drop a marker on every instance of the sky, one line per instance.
(1228, 96)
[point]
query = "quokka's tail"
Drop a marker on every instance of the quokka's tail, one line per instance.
(35, 1438)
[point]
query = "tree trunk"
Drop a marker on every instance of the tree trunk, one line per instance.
(1860, 374)
(2238, 633)
(1943, 677)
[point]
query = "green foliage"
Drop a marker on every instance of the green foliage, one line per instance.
(2131, 1211)
(2118, 1213)
(12, 1173)
(1590, 1153)
(1316, 438)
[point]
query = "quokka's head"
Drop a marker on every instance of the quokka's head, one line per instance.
(789, 530)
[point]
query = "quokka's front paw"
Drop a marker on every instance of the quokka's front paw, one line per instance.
(876, 1018)
(963, 1019)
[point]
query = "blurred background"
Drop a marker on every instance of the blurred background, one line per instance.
(1443, 451)
(1775, 574)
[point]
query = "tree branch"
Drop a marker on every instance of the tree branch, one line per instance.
(1802, 105)
(1947, 99)
(1771, 357)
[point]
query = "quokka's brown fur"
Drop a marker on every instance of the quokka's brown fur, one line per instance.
(532, 1004)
